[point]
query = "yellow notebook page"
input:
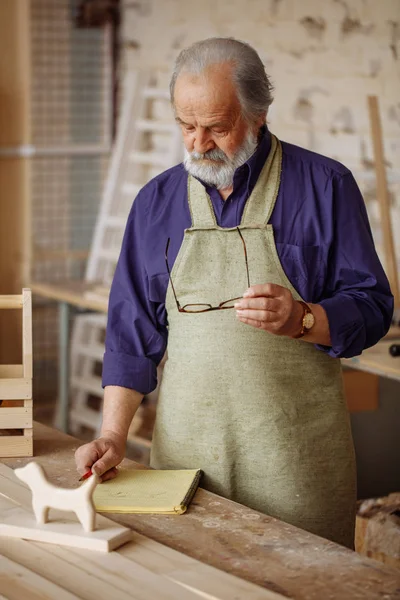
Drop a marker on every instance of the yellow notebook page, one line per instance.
(147, 491)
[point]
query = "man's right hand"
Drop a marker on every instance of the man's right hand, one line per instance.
(101, 456)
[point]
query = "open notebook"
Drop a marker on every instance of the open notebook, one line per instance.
(147, 491)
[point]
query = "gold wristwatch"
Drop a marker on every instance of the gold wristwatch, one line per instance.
(307, 321)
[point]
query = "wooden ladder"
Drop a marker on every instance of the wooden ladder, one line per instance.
(148, 142)
(16, 387)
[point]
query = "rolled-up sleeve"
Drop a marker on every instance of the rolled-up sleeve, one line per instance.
(357, 296)
(135, 339)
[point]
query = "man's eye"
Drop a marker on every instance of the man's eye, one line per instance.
(188, 128)
(219, 131)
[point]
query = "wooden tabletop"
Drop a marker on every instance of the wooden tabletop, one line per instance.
(75, 292)
(240, 541)
(377, 360)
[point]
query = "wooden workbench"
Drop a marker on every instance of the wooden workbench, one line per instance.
(74, 292)
(377, 360)
(240, 541)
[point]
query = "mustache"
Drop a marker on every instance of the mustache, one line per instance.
(215, 154)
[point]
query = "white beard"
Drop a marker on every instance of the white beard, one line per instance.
(220, 174)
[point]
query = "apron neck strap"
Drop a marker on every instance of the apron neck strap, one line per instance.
(262, 200)
(259, 206)
(201, 209)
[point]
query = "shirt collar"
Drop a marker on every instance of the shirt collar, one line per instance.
(253, 166)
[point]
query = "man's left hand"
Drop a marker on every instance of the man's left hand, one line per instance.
(270, 307)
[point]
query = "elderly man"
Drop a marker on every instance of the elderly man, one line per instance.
(254, 260)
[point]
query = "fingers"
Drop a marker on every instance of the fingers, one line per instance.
(265, 310)
(101, 456)
(267, 306)
(107, 461)
(272, 327)
(271, 290)
(110, 474)
(261, 303)
(85, 457)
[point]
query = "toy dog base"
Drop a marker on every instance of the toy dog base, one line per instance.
(64, 528)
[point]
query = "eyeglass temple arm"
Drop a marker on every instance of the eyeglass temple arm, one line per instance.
(245, 256)
(169, 274)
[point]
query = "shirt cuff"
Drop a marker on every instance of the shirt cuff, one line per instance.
(133, 372)
(346, 326)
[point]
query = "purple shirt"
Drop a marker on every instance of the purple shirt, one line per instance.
(323, 240)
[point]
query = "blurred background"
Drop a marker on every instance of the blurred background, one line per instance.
(85, 121)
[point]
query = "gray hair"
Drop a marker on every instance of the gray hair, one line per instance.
(253, 85)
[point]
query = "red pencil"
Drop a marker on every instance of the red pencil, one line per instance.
(86, 476)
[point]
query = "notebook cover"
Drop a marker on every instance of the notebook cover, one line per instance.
(148, 491)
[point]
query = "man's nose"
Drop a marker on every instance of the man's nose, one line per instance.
(203, 142)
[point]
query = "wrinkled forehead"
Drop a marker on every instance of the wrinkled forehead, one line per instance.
(211, 92)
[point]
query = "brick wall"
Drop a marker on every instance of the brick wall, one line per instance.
(324, 57)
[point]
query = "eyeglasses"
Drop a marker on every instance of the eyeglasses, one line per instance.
(200, 308)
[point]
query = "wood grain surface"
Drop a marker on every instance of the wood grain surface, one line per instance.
(240, 541)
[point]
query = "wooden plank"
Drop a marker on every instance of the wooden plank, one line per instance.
(72, 292)
(88, 576)
(15, 389)
(15, 445)
(383, 198)
(11, 371)
(189, 573)
(361, 390)
(145, 578)
(377, 360)
(15, 130)
(15, 418)
(238, 540)
(13, 301)
(18, 582)
(27, 333)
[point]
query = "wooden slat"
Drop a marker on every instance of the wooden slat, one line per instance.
(15, 389)
(17, 583)
(72, 292)
(27, 333)
(89, 577)
(14, 301)
(383, 198)
(15, 130)
(15, 418)
(15, 445)
(163, 573)
(11, 371)
(233, 538)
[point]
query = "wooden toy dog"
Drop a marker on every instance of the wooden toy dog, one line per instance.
(45, 495)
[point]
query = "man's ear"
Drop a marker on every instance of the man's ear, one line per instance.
(259, 123)
(262, 120)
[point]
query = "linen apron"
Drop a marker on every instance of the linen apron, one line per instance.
(264, 416)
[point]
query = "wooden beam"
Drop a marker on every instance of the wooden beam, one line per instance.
(383, 198)
(15, 131)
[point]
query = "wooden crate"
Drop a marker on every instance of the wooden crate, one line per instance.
(16, 437)
(378, 529)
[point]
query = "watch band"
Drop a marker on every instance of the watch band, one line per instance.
(304, 329)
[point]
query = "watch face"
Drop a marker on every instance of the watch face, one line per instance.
(308, 321)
